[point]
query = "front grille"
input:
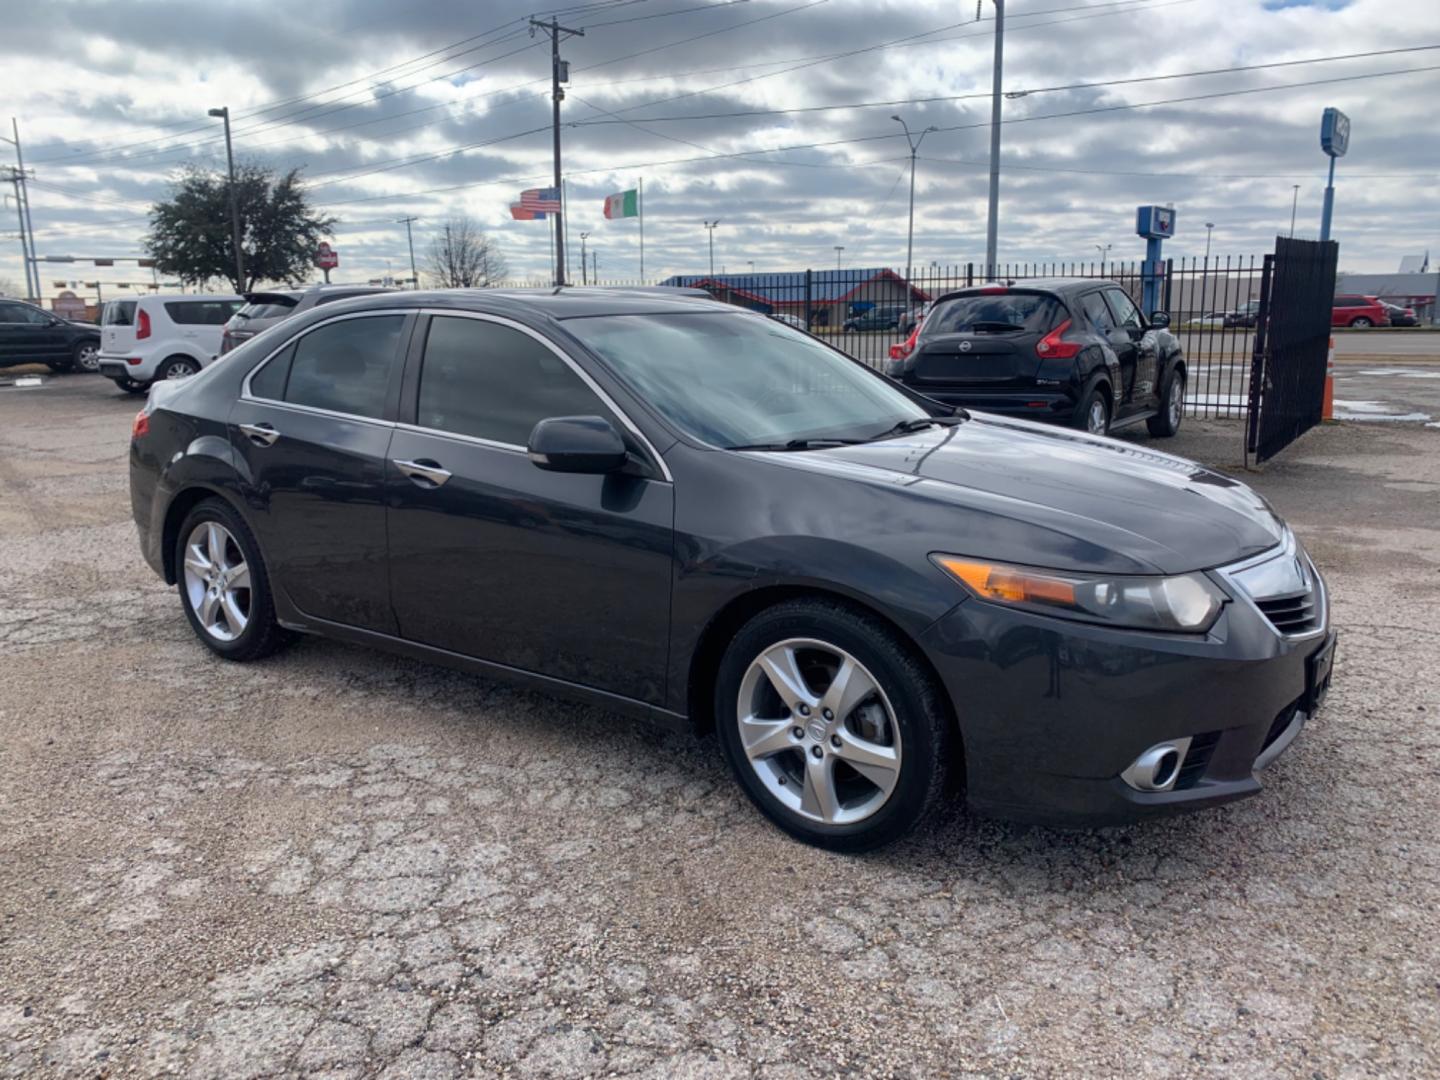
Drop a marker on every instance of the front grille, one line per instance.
(1293, 614)
(1197, 760)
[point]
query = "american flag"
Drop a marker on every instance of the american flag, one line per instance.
(541, 200)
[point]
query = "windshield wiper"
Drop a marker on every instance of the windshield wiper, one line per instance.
(796, 444)
(919, 423)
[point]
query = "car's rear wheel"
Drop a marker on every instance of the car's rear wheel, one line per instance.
(178, 367)
(835, 730)
(1361, 322)
(1172, 407)
(223, 584)
(130, 386)
(1094, 412)
(87, 356)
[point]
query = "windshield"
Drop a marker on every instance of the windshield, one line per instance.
(742, 380)
(993, 313)
(272, 307)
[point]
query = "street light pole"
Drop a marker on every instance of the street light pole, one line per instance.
(992, 225)
(1103, 249)
(410, 237)
(710, 226)
(584, 275)
(910, 233)
(839, 250)
(224, 114)
(1209, 226)
(1294, 203)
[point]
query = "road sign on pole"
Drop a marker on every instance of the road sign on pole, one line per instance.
(327, 259)
(1334, 140)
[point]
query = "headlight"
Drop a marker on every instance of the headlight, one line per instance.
(1187, 602)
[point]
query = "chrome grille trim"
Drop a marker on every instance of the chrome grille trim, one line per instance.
(1283, 587)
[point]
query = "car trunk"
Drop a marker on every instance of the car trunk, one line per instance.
(984, 361)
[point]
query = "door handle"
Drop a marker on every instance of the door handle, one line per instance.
(425, 473)
(260, 434)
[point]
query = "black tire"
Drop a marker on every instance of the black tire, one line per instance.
(59, 367)
(85, 357)
(1088, 403)
(1167, 422)
(927, 734)
(130, 386)
(1361, 322)
(172, 366)
(262, 635)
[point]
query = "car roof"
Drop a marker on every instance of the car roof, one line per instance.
(565, 302)
(180, 296)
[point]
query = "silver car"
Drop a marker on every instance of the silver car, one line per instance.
(263, 310)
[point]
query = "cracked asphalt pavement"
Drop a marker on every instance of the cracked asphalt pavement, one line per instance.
(339, 863)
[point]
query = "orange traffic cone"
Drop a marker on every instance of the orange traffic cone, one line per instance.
(1327, 408)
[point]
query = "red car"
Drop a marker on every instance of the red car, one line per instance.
(1359, 311)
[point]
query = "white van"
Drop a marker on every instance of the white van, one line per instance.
(148, 338)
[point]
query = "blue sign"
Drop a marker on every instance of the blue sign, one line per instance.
(1334, 132)
(1155, 222)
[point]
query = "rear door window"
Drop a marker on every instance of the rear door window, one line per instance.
(1097, 314)
(1126, 313)
(120, 313)
(346, 366)
(994, 313)
(201, 312)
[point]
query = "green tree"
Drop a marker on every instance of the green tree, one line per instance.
(191, 238)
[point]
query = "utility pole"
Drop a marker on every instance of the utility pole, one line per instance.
(595, 267)
(22, 212)
(224, 113)
(910, 234)
(992, 226)
(1294, 204)
(710, 226)
(410, 237)
(839, 250)
(583, 278)
(1209, 228)
(559, 72)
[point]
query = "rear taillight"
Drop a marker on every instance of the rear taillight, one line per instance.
(900, 350)
(141, 426)
(1053, 346)
(144, 326)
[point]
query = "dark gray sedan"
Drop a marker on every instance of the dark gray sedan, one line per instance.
(698, 515)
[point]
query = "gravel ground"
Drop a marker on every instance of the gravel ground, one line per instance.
(343, 864)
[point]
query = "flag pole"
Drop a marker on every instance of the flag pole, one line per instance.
(640, 200)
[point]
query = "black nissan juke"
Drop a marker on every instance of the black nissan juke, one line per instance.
(692, 513)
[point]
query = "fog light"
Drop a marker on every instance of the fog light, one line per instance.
(1158, 768)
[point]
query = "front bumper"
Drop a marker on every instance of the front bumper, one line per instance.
(1052, 711)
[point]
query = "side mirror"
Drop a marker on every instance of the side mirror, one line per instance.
(1159, 320)
(577, 444)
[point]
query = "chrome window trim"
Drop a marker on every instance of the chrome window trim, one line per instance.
(1289, 547)
(475, 440)
(246, 395)
(565, 358)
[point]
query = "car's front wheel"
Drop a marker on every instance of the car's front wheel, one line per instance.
(224, 587)
(835, 730)
(1172, 407)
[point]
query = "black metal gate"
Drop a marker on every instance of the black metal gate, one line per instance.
(1292, 342)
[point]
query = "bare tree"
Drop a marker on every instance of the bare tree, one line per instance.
(8, 287)
(464, 257)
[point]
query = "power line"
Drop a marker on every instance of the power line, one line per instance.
(1009, 94)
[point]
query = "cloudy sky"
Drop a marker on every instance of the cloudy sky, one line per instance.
(773, 116)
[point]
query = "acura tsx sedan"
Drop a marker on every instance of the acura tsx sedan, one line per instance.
(686, 511)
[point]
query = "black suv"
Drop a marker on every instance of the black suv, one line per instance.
(32, 335)
(877, 318)
(1072, 351)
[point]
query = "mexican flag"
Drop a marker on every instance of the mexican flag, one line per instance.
(622, 204)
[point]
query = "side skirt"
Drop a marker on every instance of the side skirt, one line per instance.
(641, 710)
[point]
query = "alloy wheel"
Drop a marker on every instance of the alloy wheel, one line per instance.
(217, 581)
(1177, 401)
(1095, 418)
(819, 731)
(87, 358)
(178, 369)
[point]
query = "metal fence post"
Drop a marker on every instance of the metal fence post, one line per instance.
(807, 299)
(1169, 277)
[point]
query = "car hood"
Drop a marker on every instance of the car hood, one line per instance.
(1063, 499)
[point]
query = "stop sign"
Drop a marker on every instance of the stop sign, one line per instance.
(326, 257)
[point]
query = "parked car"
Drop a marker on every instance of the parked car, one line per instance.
(876, 318)
(681, 510)
(263, 310)
(912, 316)
(793, 321)
(32, 335)
(1071, 351)
(1400, 316)
(165, 336)
(1245, 315)
(1359, 312)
